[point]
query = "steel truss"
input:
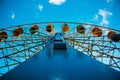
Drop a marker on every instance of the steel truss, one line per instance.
(15, 50)
(101, 48)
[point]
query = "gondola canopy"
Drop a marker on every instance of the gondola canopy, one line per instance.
(34, 29)
(80, 29)
(65, 28)
(49, 28)
(3, 36)
(18, 32)
(109, 35)
(97, 32)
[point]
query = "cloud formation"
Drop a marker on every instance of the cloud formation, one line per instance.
(108, 1)
(96, 17)
(57, 2)
(105, 15)
(13, 15)
(40, 7)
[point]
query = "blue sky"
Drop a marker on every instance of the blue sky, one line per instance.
(101, 12)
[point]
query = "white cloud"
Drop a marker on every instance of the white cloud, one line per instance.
(105, 14)
(57, 2)
(96, 17)
(40, 7)
(13, 15)
(108, 1)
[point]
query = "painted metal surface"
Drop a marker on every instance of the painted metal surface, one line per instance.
(67, 64)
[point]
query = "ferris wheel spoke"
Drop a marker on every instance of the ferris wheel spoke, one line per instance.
(6, 66)
(101, 55)
(13, 46)
(91, 42)
(23, 50)
(97, 49)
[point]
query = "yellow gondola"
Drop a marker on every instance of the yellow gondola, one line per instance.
(3, 36)
(97, 32)
(34, 29)
(80, 29)
(65, 28)
(17, 32)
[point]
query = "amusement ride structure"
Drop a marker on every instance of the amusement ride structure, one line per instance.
(20, 43)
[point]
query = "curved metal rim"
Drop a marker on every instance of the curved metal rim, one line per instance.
(59, 23)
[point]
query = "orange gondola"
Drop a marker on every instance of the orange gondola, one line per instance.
(80, 29)
(65, 28)
(97, 32)
(18, 32)
(34, 29)
(49, 28)
(109, 35)
(3, 36)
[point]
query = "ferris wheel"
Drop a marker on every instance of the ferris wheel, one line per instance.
(21, 42)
